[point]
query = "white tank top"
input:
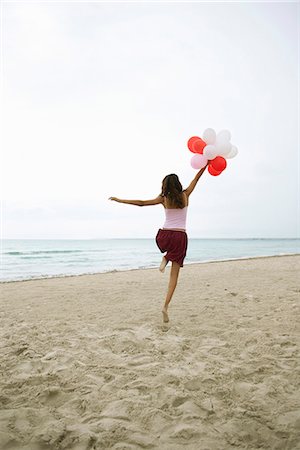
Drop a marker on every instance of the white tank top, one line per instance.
(175, 218)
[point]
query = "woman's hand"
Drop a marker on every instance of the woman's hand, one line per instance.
(113, 199)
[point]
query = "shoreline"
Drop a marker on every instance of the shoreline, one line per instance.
(213, 261)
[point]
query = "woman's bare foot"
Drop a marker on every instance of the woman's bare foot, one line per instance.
(163, 264)
(165, 315)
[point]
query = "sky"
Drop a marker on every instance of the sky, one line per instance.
(99, 99)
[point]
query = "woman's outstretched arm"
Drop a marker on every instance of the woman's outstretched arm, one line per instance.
(194, 182)
(154, 201)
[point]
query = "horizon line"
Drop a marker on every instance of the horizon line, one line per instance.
(140, 238)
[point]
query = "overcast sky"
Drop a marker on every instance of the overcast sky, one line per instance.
(99, 100)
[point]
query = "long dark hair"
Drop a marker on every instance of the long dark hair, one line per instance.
(172, 191)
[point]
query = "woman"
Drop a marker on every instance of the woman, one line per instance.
(172, 238)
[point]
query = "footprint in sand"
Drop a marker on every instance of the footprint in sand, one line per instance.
(108, 377)
(179, 401)
(190, 410)
(185, 432)
(194, 385)
(118, 409)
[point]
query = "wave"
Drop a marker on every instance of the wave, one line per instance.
(52, 252)
(41, 252)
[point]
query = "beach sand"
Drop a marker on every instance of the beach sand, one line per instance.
(87, 363)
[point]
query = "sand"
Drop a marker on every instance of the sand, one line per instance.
(87, 363)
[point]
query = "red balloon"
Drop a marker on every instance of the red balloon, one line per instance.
(198, 146)
(219, 163)
(214, 172)
(191, 141)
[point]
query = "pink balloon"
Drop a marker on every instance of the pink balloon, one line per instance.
(198, 161)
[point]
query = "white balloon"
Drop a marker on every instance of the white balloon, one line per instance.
(223, 136)
(210, 151)
(209, 136)
(223, 148)
(233, 152)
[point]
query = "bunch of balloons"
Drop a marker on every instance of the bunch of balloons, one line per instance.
(213, 149)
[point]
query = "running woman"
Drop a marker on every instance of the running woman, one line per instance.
(172, 238)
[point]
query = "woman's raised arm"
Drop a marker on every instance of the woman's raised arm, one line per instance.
(194, 182)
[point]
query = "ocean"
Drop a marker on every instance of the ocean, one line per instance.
(28, 259)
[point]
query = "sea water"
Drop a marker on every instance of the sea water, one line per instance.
(27, 259)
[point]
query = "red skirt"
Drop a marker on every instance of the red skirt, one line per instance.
(174, 243)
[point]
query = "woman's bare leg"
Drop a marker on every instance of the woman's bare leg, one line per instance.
(171, 288)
